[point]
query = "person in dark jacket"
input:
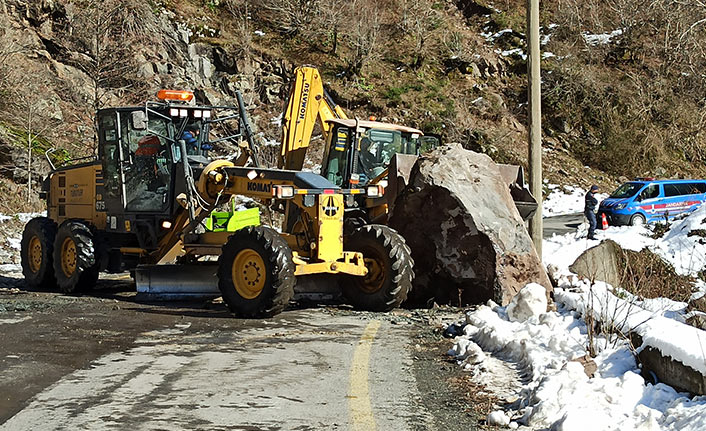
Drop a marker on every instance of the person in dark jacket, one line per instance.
(589, 210)
(190, 136)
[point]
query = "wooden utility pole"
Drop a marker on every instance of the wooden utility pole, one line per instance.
(534, 98)
(29, 156)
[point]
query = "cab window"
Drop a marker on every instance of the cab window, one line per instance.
(650, 192)
(336, 163)
(146, 162)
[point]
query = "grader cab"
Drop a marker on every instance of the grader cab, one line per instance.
(148, 199)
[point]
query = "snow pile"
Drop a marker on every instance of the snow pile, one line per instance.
(683, 343)
(557, 393)
(684, 245)
(529, 302)
(565, 200)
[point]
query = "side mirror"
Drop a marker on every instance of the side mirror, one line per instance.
(139, 120)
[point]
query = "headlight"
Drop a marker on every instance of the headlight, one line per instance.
(620, 206)
(283, 192)
(375, 191)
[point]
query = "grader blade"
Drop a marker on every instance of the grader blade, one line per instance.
(169, 282)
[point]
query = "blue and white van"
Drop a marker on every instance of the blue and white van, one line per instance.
(644, 201)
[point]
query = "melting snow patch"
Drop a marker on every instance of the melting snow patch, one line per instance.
(514, 52)
(601, 39)
(492, 37)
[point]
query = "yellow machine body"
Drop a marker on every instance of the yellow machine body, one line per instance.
(76, 193)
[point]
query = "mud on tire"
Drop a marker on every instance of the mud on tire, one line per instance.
(256, 272)
(75, 263)
(390, 269)
(36, 251)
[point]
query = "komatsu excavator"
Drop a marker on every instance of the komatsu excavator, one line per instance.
(362, 153)
(144, 201)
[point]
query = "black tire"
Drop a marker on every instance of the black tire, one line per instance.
(638, 220)
(36, 251)
(265, 261)
(389, 277)
(75, 263)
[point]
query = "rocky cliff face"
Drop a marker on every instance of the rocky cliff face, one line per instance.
(62, 59)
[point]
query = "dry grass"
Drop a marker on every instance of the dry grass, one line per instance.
(646, 275)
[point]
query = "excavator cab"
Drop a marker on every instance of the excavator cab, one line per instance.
(360, 151)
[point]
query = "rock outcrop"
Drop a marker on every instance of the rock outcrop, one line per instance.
(468, 240)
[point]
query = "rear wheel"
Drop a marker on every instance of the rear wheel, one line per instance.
(637, 220)
(75, 263)
(256, 272)
(390, 269)
(37, 249)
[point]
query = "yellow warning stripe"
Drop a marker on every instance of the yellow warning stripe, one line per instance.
(359, 398)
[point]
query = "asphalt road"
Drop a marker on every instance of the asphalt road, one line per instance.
(562, 224)
(107, 361)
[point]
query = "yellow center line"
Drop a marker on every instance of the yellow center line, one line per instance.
(361, 411)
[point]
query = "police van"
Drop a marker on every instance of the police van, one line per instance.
(646, 200)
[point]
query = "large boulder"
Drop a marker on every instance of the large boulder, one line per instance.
(600, 263)
(468, 240)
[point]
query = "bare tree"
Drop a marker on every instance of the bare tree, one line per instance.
(108, 33)
(418, 19)
(332, 16)
(290, 17)
(362, 34)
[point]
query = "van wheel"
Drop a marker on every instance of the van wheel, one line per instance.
(637, 220)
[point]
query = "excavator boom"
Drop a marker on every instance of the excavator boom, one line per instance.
(308, 102)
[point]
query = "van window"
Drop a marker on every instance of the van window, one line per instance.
(696, 188)
(650, 192)
(674, 190)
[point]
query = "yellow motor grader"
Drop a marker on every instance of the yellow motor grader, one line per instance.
(144, 199)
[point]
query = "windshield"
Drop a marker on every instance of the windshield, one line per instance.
(627, 190)
(377, 148)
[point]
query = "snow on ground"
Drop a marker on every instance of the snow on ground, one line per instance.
(566, 200)
(684, 246)
(544, 353)
(556, 392)
(10, 236)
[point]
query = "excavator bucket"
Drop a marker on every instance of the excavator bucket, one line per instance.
(513, 175)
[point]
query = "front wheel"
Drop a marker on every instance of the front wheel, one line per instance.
(75, 263)
(390, 269)
(256, 272)
(637, 220)
(36, 250)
